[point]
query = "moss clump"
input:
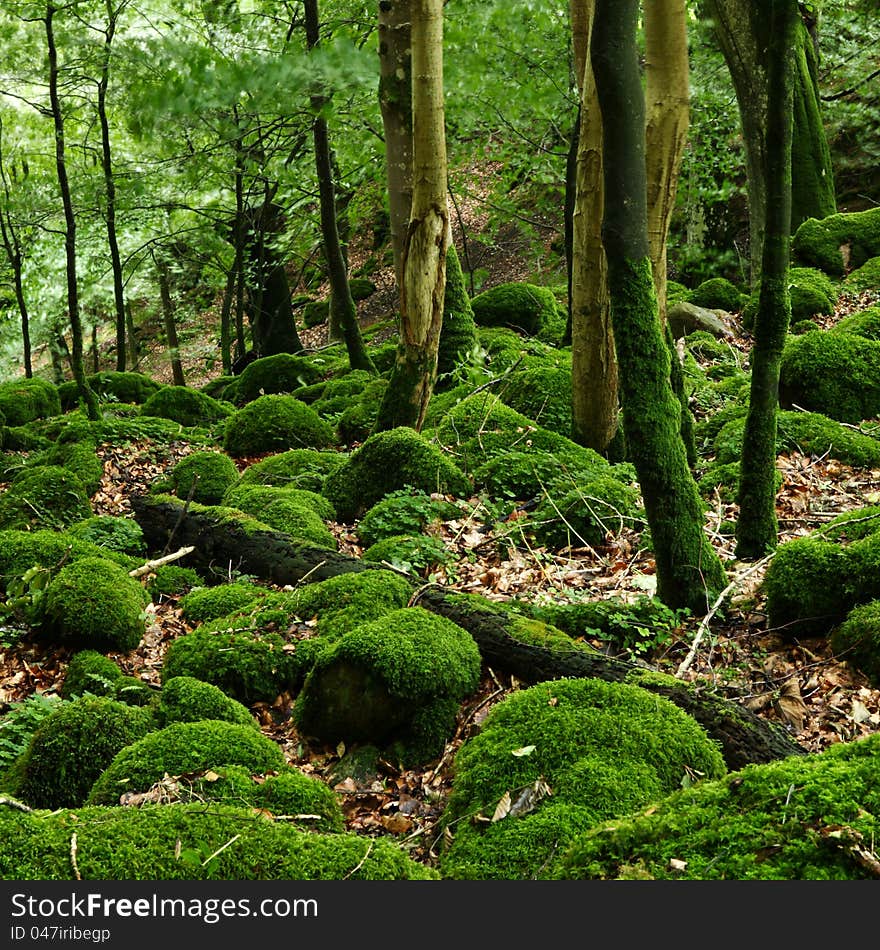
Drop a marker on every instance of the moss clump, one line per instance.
(47, 496)
(208, 603)
(112, 533)
(811, 292)
(204, 476)
(291, 515)
(835, 374)
(389, 461)
(173, 842)
(864, 323)
(76, 457)
(398, 679)
(818, 243)
(73, 745)
(857, 640)
(315, 312)
(23, 400)
(532, 473)
(186, 699)
(172, 580)
(93, 602)
(717, 293)
(542, 394)
(184, 747)
(458, 335)
(90, 672)
(273, 423)
(125, 387)
(866, 277)
(406, 511)
(254, 499)
(602, 748)
(297, 468)
(356, 421)
(23, 439)
(331, 397)
(415, 554)
(795, 819)
(281, 373)
(186, 406)
(519, 306)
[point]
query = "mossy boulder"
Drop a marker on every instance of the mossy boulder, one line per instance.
(315, 312)
(389, 461)
(172, 580)
(274, 423)
(72, 747)
(111, 386)
(46, 496)
(23, 400)
(204, 476)
(184, 747)
(111, 533)
(77, 457)
(281, 373)
(717, 293)
(90, 672)
(399, 679)
(570, 753)
(821, 243)
(406, 511)
(857, 640)
(796, 819)
(174, 842)
(356, 421)
(519, 306)
(835, 374)
(186, 699)
(866, 277)
(93, 602)
(208, 603)
(864, 323)
(812, 293)
(542, 394)
(296, 468)
(297, 512)
(185, 406)
(254, 498)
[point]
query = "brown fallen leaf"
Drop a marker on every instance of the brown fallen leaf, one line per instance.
(791, 706)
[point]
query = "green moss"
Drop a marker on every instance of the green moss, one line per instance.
(186, 699)
(73, 745)
(356, 421)
(76, 457)
(602, 748)
(220, 387)
(46, 496)
(361, 288)
(316, 312)
(399, 678)
(112, 533)
(458, 336)
(172, 580)
(835, 374)
(111, 386)
(542, 394)
(389, 461)
(18, 723)
(188, 407)
(811, 292)
(254, 498)
(173, 842)
(519, 306)
(335, 395)
(93, 602)
(23, 400)
(209, 603)
(866, 277)
(184, 747)
(281, 373)
(296, 468)
(717, 293)
(23, 439)
(857, 640)
(90, 672)
(406, 511)
(418, 554)
(817, 243)
(273, 423)
(204, 476)
(864, 323)
(795, 819)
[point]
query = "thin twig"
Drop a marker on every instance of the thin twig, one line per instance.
(159, 561)
(221, 849)
(73, 863)
(360, 863)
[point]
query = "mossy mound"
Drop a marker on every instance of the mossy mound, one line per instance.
(519, 306)
(111, 533)
(46, 496)
(356, 421)
(287, 510)
(857, 640)
(94, 603)
(406, 511)
(296, 468)
(111, 386)
(528, 475)
(274, 423)
(254, 499)
(835, 374)
(315, 312)
(204, 476)
(800, 818)
(184, 747)
(389, 461)
(188, 407)
(542, 394)
(76, 457)
(23, 400)
(864, 323)
(717, 293)
(505, 350)
(173, 842)
(23, 439)
(599, 749)
(817, 243)
(186, 699)
(90, 672)
(866, 277)
(413, 553)
(812, 293)
(208, 603)
(172, 580)
(281, 373)
(333, 396)
(73, 746)
(399, 679)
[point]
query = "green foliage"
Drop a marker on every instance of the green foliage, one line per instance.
(406, 511)
(857, 640)
(296, 468)
(282, 373)
(76, 457)
(206, 474)
(42, 497)
(209, 603)
(23, 400)
(417, 554)
(111, 532)
(274, 423)
(90, 672)
(519, 306)
(186, 699)
(20, 721)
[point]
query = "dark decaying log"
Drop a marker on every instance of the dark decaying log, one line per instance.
(744, 736)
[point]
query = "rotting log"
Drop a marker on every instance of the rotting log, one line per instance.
(744, 736)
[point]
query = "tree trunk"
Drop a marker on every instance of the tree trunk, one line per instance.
(756, 528)
(226, 322)
(688, 569)
(76, 335)
(343, 312)
(12, 246)
(134, 356)
(170, 322)
(427, 239)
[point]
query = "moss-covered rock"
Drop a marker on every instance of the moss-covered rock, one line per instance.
(90, 672)
(296, 468)
(717, 293)
(174, 842)
(406, 511)
(76, 457)
(204, 476)
(866, 277)
(316, 312)
(111, 386)
(274, 423)
(570, 753)
(399, 679)
(94, 603)
(356, 421)
(184, 747)
(864, 323)
(818, 243)
(253, 498)
(188, 407)
(800, 818)
(542, 394)
(208, 603)
(389, 461)
(172, 580)
(73, 745)
(281, 373)
(857, 640)
(23, 439)
(111, 533)
(23, 400)
(519, 306)
(46, 496)
(811, 292)
(297, 512)
(186, 699)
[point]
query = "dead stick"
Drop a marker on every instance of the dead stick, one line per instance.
(159, 561)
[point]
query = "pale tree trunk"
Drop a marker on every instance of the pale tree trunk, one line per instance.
(593, 359)
(427, 238)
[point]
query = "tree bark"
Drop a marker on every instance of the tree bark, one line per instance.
(170, 322)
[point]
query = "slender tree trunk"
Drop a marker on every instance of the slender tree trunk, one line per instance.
(59, 354)
(226, 322)
(134, 356)
(756, 529)
(12, 246)
(239, 235)
(427, 239)
(170, 322)
(343, 312)
(86, 395)
(688, 570)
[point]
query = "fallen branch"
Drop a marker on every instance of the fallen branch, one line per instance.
(159, 561)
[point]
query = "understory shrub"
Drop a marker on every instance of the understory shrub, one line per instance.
(414, 554)
(112, 533)
(406, 511)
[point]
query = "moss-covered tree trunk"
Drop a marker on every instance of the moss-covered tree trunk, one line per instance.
(688, 569)
(428, 233)
(12, 246)
(343, 312)
(169, 321)
(458, 334)
(756, 529)
(593, 360)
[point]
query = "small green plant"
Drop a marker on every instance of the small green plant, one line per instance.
(20, 723)
(24, 597)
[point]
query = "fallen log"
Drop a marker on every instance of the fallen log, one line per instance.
(218, 540)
